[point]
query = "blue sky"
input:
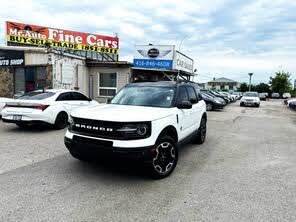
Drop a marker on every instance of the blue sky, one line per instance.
(226, 38)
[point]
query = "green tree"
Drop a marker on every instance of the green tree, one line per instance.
(263, 87)
(243, 87)
(280, 83)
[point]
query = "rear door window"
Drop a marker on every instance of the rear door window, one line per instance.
(80, 97)
(65, 96)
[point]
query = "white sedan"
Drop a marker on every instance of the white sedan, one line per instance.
(3, 101)
(51, 106)
(250, 99)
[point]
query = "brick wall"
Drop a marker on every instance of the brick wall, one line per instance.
(6, 82)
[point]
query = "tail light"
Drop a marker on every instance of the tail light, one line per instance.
(43, 107)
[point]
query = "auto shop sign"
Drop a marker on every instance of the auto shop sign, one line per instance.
(154, 56)
(25, 34)
(11, 58)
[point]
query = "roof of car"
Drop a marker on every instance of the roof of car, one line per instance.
(161, 83)
(56, 90)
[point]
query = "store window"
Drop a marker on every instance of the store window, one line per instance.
(107, 84)
(29, 79)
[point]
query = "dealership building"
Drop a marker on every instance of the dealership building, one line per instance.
(85, 62)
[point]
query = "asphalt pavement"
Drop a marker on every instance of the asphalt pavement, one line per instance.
(245, 171)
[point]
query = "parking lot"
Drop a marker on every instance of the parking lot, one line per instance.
(245, 171)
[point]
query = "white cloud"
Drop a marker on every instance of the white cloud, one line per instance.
(159, 28)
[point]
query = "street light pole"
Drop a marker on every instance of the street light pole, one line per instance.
(250, 74)
(179, 51)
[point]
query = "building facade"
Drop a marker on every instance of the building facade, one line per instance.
(47, 68)
(223, 84)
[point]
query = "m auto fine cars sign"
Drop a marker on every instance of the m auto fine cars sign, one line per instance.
(19, 33)
(11, 58)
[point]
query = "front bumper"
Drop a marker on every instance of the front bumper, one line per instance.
(29, 122)
(101, 149)
(249, 103)
(218, 106)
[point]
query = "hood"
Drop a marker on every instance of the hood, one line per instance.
(122, 113)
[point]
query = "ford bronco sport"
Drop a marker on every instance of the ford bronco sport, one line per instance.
(145, 120)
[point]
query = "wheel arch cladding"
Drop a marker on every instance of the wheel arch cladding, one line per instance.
(169, 131)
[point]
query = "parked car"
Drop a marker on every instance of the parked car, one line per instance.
(291, 100)
(262, 96)
(275, 95)
(3, 101)
(49, 106)
(250, 99)
(231, 99)
(292, 104)
(213, 103)
(215, 94)
(286, 95)
(237, 95)
(145, 120)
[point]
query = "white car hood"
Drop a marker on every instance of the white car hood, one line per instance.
(122, 113)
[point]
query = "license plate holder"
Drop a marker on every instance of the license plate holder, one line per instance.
(17, 117)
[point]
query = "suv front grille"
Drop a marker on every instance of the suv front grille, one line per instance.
(99, 128)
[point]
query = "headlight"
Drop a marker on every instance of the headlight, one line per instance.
(71, 121)
(135, 131)
(217, 101)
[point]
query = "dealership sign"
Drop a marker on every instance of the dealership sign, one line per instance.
(183, 62)
(154, 57)
(11, 58)
(58, 38)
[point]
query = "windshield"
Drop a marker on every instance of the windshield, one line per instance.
(36, 95)
(251, 94)
(145, 96)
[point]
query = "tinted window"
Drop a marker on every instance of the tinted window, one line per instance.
(36, 95)
(182, 95)
(65, 97)
(145, 96)
(79, 96)
(192, 95)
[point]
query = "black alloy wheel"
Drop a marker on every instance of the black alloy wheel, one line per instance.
(165, 157)
(61, 120)
(202, 132)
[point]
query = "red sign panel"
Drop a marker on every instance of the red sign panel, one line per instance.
(58, 38)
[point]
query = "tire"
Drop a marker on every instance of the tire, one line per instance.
(241, 105)
(165, 157)
(209, 106)
(61, 120)
(202, 132)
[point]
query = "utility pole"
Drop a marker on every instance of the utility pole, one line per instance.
(250, 74)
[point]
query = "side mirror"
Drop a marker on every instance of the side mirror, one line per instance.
(185, 105)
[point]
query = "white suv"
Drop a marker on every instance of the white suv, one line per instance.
(146, 121)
